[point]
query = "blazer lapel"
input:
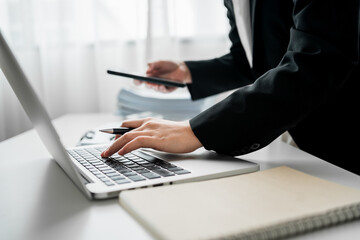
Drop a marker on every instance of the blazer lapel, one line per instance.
(253, 4)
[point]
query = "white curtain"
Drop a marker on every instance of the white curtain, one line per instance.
(66, 46)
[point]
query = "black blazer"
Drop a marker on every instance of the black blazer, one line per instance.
(304, 80)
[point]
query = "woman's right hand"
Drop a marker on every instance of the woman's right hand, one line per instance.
(174, 71)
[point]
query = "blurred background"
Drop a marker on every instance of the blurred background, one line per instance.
(66, 46)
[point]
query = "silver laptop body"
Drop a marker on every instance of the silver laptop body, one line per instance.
(96, 184)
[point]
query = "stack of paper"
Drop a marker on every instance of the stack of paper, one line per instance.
(174, 106)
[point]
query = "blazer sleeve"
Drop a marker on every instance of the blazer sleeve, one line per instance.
(228, 72)
(322, 52)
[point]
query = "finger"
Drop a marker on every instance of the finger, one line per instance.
(136, 143)
(149, 70)
(134, 123)
(137, 82)
(120, 142)
(158, 87)
(155, 65)
(156, 68)
(170, 89)
(152, 68)
(151, 85)
(166, 89)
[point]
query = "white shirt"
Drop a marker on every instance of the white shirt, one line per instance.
(243, 24)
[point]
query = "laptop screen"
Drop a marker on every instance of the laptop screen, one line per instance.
(35, 110)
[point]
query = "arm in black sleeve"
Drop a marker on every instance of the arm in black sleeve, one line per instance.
(228, 72)
(322, 52)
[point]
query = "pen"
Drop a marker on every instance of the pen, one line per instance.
(120, 130)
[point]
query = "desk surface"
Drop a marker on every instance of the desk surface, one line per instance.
(38, 201)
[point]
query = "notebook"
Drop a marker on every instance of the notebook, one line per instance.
(269, 204)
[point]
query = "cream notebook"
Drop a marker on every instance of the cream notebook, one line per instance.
(269, 204)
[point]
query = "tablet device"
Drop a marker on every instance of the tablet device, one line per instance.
(148, 79)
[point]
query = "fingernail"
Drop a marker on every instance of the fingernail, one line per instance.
(121, 152)
(105, 153)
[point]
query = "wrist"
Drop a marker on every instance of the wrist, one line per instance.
(193, 140)
(187, 74)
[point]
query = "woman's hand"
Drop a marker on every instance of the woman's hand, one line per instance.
(174, 71)
(162, 135)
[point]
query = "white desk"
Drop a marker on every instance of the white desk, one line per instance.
(38, 201)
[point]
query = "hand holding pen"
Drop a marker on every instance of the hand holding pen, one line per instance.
(159, 134)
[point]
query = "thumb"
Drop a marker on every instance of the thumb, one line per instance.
(151, 69)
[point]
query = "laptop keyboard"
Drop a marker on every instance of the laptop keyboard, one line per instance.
(132, 167)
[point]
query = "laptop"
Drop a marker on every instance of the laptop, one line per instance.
(102, 178)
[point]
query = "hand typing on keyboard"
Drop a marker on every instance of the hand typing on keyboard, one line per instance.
(158, 134)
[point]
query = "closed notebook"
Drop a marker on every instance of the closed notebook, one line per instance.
(269, 204)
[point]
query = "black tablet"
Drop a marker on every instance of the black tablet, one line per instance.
(148, 79)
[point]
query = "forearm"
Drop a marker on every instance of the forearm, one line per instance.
(218, 75)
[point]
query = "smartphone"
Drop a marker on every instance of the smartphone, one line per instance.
(148, 79)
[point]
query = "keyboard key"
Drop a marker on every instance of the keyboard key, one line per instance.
(136, 178)
(109, 171)
(131, 173)
(154, 167)
(120, 168)
(137, 168)
(142, 171)
(100, 149)
(109, 183)
(112, 174)
(147, 164)
(166, 164)
(163, 172)
(150, 175)
(137, 160)
(145, 156)
(118, 177)
(125, 161)
(102, 178)
(132, 165)
(143, 162)
(174, 169)
(103, 168)
(98, 164)
(182, 172)
(122, 181)
(128, 155)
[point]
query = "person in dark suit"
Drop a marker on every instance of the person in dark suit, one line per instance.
(303, 79)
